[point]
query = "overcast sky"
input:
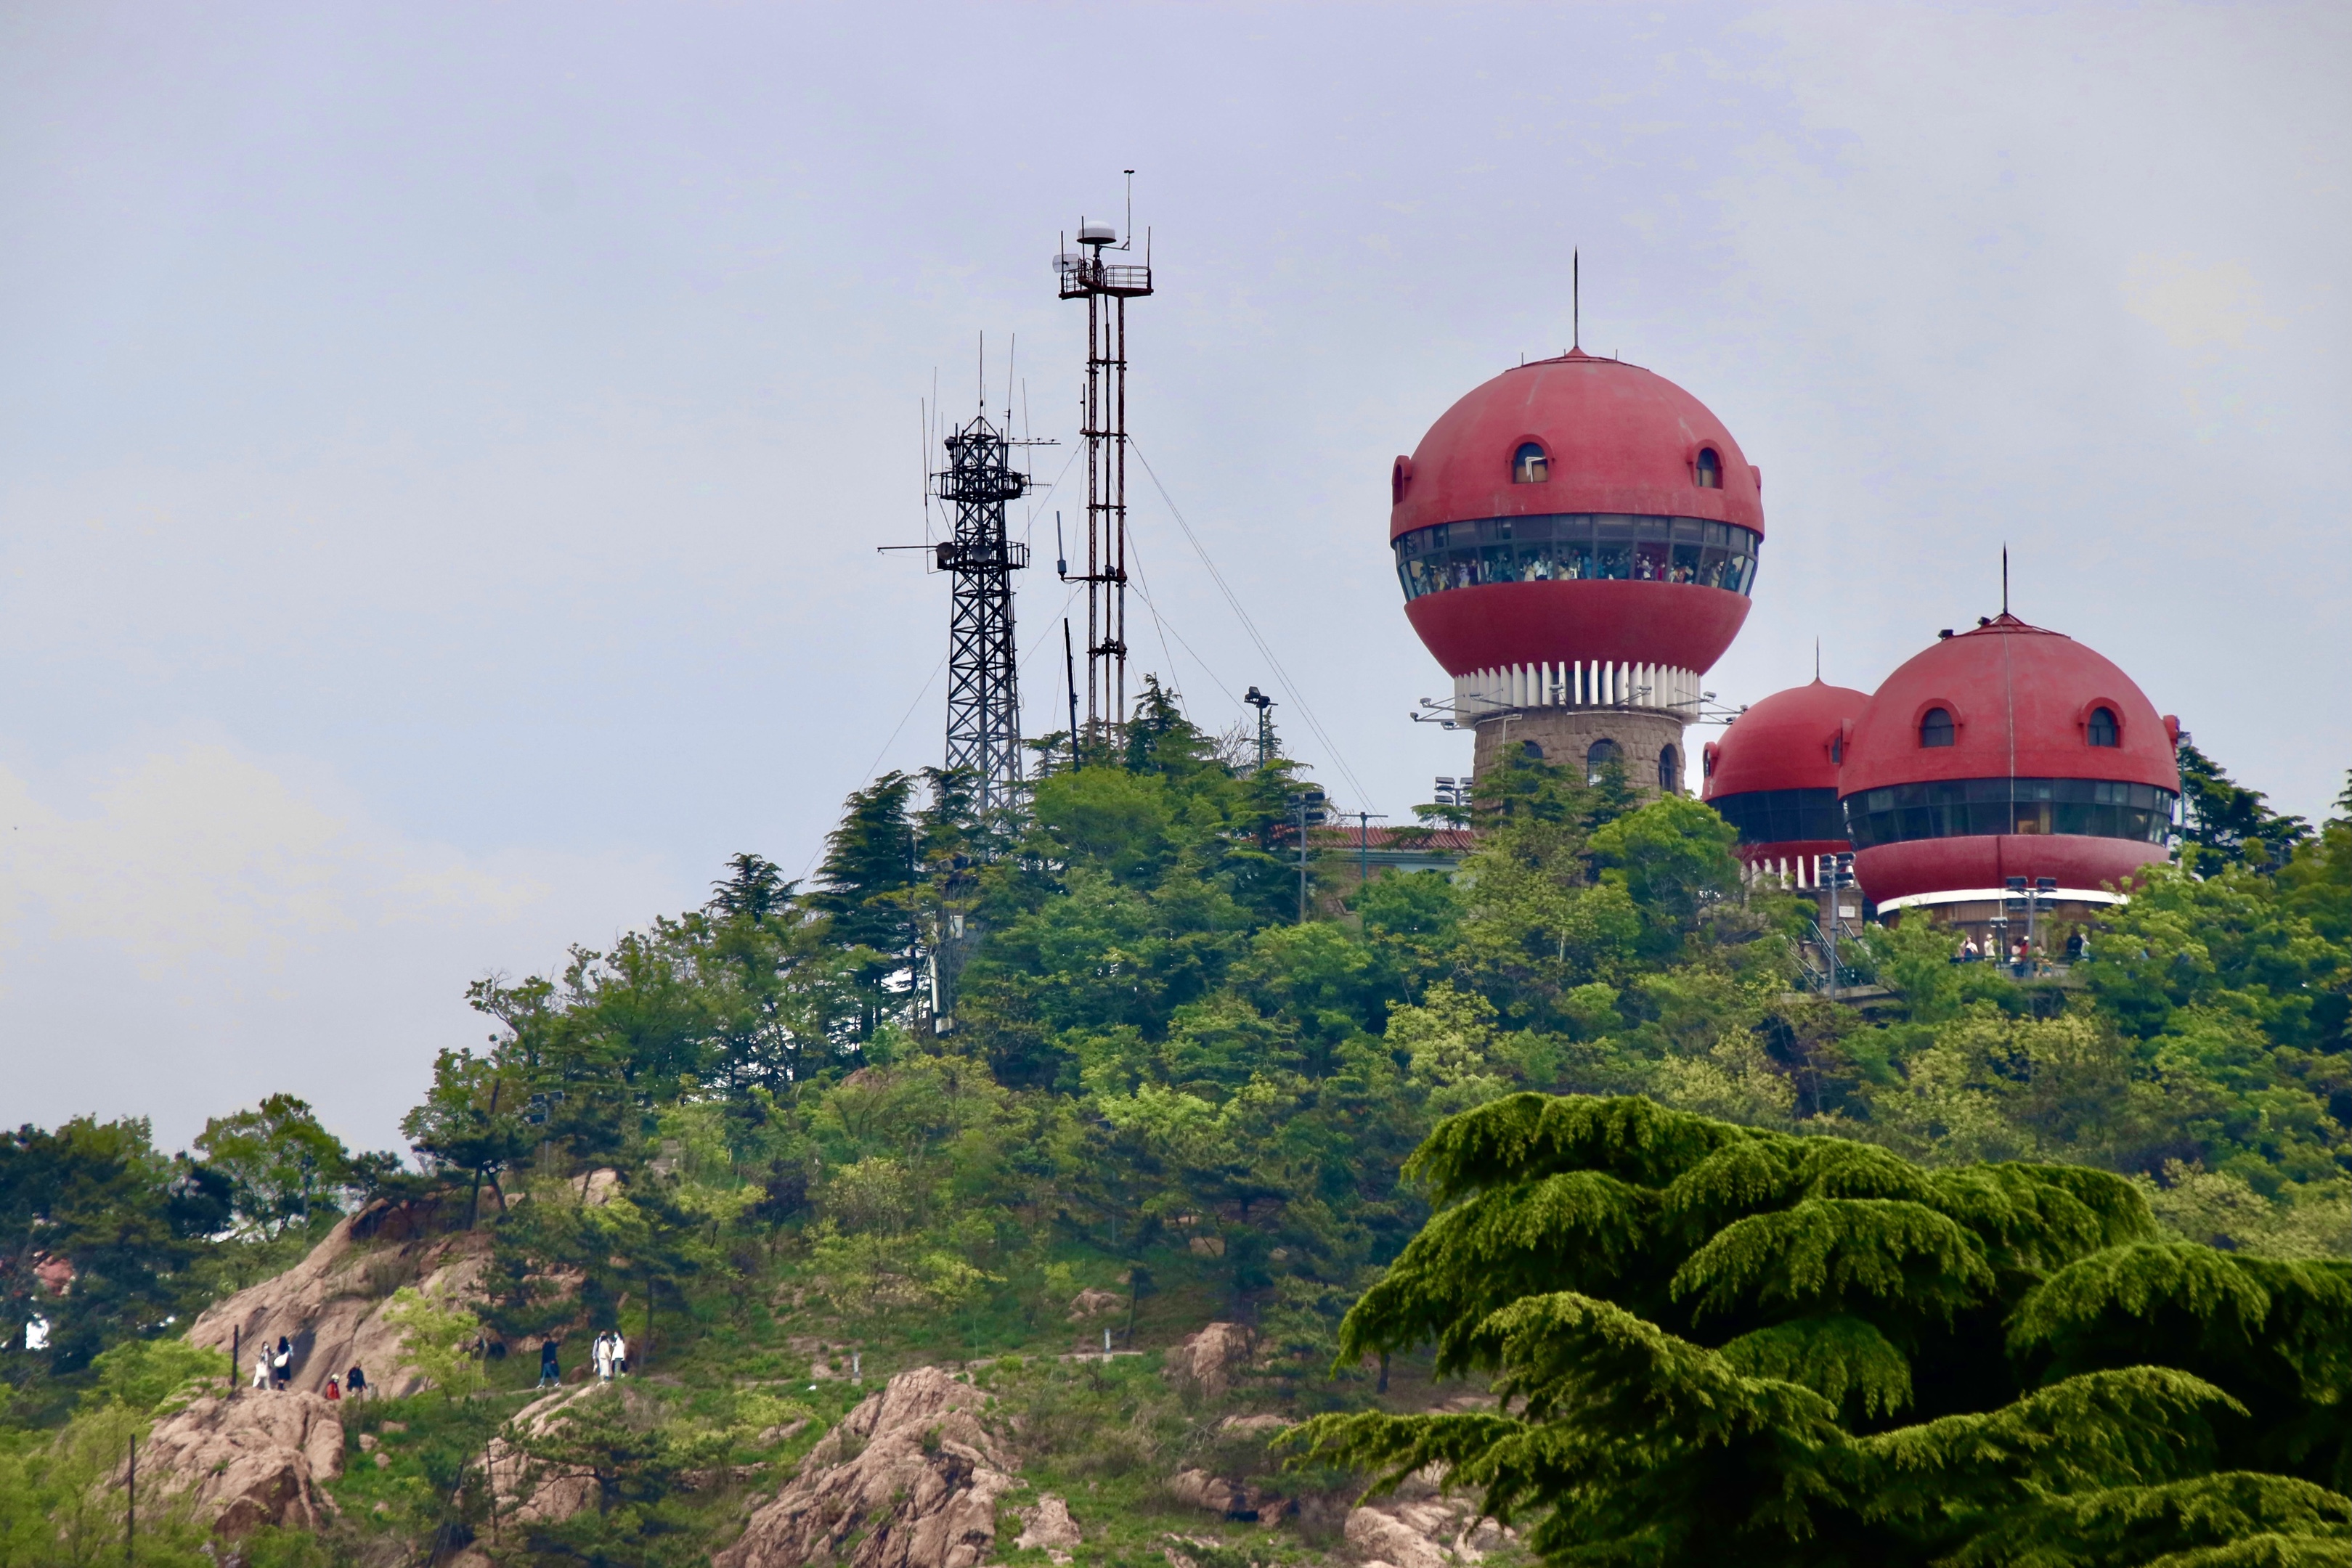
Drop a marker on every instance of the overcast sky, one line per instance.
(443, 446)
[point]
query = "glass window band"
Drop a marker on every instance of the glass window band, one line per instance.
(1784, 816)
(1573, 547)
(1972, 808)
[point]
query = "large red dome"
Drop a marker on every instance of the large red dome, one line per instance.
(1788, 741)
(1774, 776)
(2007, 751)
(1577, 511)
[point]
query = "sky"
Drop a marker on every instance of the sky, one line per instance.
(444, 447)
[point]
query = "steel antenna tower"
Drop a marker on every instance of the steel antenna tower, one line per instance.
(1106, 287)
(983, 695)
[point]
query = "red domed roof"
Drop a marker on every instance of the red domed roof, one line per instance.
(2022, 703)
(1785, 742)
(2021, 700)
(1620, 439)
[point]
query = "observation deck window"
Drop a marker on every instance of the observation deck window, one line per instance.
(1709, 469)
(1975, 808)
(1937, 728)
(2104, 730)
(1530, 464)
(1573, 547)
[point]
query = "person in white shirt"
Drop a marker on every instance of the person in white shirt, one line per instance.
(261, 1368)
(620, 1353)
(602, 1356)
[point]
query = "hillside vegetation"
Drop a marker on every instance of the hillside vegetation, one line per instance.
(1148, 1097)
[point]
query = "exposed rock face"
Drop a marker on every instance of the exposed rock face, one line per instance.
(1255, 1423)
(252, 1460)
(1048, 1525)
(331, 1303)
(1234, 1500)
(911, 1472)
(1427, 1531)
(532, 1491)
(1208, 1360)
(1092, 1302)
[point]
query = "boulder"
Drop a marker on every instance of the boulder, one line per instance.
(251, 1460)
(912, 1475)
(1254, 1425)
(1047, 1524)
(1234, 1499)
(1425, 1531)
(331, 1304)
(1092, 1302)
(1207, 1360)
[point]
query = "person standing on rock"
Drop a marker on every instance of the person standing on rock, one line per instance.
(281, 1365)
(261, 1367)
(620, 1355)
(603, 1357)
(550, 1374)
(355, 1383)
(333, 1390)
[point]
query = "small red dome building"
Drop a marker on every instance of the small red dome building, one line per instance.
(1774, 776)
(1577, 539)
(2006, 751)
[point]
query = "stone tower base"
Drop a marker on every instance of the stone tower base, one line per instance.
(1567, 734)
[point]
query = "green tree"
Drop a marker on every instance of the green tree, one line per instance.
(472, 1121)
(288, 1170)
(1721, 1344)
(2226, 822)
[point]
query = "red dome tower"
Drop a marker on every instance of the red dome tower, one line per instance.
(1576, 539)
(1774, 776)
(2007, 751)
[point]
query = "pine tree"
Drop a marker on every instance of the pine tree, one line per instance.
(1718, 1344)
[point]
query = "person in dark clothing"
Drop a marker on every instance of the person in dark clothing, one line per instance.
(282, 1365)
(355, 1382)
(550, 1374)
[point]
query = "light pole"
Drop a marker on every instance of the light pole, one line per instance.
(1260, 701)
(1306, 812)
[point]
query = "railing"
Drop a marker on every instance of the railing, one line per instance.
(1102, 278)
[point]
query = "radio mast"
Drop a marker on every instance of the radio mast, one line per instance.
(1106, 287)
(984, 695)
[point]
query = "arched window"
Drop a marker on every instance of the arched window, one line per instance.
(1400, 480)
(2105, 730)
(1529, 465)
(1710, 469)
(1533, 752)
(1670, 771)
(1937, 728)
(1602, 754)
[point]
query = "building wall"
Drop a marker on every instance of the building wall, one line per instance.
(1567, 734)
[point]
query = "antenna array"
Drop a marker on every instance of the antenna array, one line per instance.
(1106, 287)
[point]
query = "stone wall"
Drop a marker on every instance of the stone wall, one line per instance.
(1567, 734)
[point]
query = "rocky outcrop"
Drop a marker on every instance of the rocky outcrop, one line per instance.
(1092, 1302)
(331, 1305)
(1438, 1531)
(1047, 1525)
(1232, 1499)
(530, 1489)
(912, 1476)
(1208, 1360)
(252, 1460)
